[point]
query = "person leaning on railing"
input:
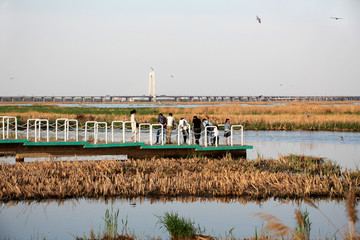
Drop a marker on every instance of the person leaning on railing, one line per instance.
(161, 120)
(184, 126)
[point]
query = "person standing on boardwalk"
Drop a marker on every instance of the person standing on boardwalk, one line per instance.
(184, 127)
(227, 131)
(161, 120)
(197, 129)
(133, 125)
(216, 135)
(169, 128)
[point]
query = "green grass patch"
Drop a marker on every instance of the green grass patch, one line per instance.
(178, 227)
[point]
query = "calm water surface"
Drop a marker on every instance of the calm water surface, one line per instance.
(341, 147)
(52, 220)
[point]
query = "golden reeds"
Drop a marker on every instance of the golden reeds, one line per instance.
(352, 214)
(173, 177)
(290, 116)
(276, 226)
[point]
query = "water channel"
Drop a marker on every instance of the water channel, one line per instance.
(76, 217)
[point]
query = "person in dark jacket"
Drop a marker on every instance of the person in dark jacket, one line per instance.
(161, 120)
(197, 129)
(227, 131)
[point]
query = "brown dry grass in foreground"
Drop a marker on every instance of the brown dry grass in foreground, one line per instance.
(290, 176)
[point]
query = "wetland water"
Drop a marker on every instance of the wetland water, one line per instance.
(54, 220)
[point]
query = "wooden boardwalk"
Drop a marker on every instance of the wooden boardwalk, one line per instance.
(22, 148)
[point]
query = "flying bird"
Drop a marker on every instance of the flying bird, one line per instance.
(172, 76)
(11, 78)
(341, 138)
(258, 19)
(336, 18)
(307, 115)
(152, 68)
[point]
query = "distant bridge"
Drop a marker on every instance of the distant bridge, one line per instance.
(163, 98)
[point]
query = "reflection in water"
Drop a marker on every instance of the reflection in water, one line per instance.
(271, 144)
(70, 218)
(346, 155)
(66, 219)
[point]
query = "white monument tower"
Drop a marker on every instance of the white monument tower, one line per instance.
(152, 84)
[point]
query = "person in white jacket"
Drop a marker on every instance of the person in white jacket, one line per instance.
(169, 128)
(184, 127)
(216, 135)
(133, 125)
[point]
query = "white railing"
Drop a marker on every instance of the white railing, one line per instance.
(67, 128)
(86, 128)
(179, 130)
(124, 128)
(144, 124)
(241, 132)
(112, 129)
(76, 129)
(206, 135)
(162, 133)
(57, 127)
(37, 128)
(8, 118)
(96, 131)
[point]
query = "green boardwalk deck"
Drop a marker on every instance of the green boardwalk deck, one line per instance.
(22, 148)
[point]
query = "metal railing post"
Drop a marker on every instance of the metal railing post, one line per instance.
(140, 125)
(3, 126)
(76, 129)
(86, 124)
(241, 132)
(8, 118)
(124, 128)
(97, 131)
(206, 138)
(178, 137)
(112, 129)
(162, 132)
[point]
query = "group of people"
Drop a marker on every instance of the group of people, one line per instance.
(168, 122)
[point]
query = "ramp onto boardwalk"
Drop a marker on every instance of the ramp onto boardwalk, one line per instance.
(22, 148)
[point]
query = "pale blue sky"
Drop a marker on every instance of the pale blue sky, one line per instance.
(212, 47)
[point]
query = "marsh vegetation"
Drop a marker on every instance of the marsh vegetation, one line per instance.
(315, 116)
(289, 176)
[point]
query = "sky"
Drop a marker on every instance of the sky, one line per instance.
(211, 47)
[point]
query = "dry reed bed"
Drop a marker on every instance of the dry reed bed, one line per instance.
(176, 177)
(291, 116)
